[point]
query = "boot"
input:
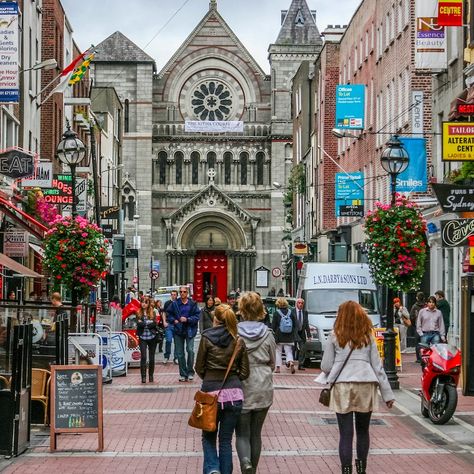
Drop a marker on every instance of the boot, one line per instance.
(143, 372)
(361, 466)
(246, 466)
(150, 375)
(346, 470)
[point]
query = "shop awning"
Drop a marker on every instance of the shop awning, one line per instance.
(18, 267)
(38, 249)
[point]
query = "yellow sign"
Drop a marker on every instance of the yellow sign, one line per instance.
(458, 141)
(471, 255)
(378, 335)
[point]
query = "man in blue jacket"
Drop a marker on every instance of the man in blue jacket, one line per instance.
(183, 314)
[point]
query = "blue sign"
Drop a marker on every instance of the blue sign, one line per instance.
(9, 57)
(414, 179)
(156, 265)
(350, 194)
(350, 106)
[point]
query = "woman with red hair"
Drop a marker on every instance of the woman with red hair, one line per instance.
(354, 394)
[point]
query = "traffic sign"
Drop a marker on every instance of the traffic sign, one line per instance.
(154, 275)
(276, 272)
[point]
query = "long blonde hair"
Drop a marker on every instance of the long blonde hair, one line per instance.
(352, 325)
(224, 314)
(149, 312)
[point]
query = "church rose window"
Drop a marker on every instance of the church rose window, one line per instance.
(212, 100)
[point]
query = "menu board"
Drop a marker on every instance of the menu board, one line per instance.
(76, 400)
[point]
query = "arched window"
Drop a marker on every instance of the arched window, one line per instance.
(211, 160)
(178, 161)
(244, 159)
(195, 167)
(260, 161)
(227, 167)
(162, 157)
(126, 124)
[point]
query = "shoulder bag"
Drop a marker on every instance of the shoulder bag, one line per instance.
(204, 414)
(325, 395)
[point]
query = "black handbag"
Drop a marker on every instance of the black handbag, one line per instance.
(325, 395)
(160, 334)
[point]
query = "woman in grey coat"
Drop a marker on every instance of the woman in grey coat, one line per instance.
(354, 394)
(258, 388)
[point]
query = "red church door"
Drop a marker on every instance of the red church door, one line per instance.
(210, 274)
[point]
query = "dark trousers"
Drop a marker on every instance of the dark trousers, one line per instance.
(346, 435)
(249, 435)
(299, 351)
(151, 346)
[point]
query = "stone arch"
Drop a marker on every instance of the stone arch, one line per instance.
(223, 223)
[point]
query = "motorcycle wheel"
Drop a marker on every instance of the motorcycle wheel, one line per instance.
(442, 412)
(424, 410)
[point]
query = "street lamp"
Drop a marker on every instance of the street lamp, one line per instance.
(394, 160)
(71, 152)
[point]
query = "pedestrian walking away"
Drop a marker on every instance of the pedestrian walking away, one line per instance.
(183, 314)
(169, 330)
(443, 305)
(284, 327)
(258, 388)
(415, 309)
(352, 360)
(146, 332)
(430, 324)
(214, 355)
(302, 331)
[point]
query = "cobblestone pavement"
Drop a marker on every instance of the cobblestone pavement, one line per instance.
(146, 431)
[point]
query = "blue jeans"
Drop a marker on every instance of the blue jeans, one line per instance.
(431, 337)
(186, 365)
(227, 418)
(168, 340)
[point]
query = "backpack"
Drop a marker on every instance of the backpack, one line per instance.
(286, 323)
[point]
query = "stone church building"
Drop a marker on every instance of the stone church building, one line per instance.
(204, 203)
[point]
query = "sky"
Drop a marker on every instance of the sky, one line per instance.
(159, 27)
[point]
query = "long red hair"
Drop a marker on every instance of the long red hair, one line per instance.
(352, 325)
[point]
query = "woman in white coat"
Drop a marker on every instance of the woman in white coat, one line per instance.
(354, 394)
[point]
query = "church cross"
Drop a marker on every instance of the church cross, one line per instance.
(212, 174)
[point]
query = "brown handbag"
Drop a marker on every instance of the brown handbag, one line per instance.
(204, 414)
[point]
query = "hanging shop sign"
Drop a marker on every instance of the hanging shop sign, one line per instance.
(213, 126)
(350, 194)
(417, 112)
(300, 248)
(109, 212)
(41, 178)
(465, 109)
(16, 163)
(414, 179)
(350, 106)
(456, 232)
(450, 12)
(458, 141)
(9, 70)
(454, 198)
(15, 243)
(430, 38)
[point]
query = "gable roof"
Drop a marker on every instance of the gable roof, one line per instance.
(118, 48)
(299, 27)
(211, 17)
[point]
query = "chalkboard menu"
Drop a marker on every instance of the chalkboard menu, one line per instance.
(76, 401)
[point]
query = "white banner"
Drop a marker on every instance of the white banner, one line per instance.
(207, 126)
(15, 244)
(9, 75)
(430, 39)
(42, 178)
(417, 112)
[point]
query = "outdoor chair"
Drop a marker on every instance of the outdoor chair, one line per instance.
(40, 389)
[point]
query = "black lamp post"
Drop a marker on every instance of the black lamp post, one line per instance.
(394, 161)
(71, 151)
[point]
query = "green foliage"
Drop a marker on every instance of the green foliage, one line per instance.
(397, 249)
(463, 174)
(297, 181)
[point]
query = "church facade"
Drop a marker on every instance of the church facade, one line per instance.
(204, 203)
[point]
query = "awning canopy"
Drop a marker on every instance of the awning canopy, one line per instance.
(38, 249)
(18, 267)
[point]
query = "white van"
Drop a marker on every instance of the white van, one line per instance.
(324, 286)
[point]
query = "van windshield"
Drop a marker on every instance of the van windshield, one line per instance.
(327, 301)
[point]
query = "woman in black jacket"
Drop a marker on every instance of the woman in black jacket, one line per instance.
(285, 329)
(207, 314)
(215, 352)
(146, 333)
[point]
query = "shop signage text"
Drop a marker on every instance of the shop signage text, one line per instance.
(454, 198)
(456, 232)
(458, 141)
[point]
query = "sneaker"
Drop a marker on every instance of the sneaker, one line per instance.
(165, 361)
(190, 377)
(175, 361)
(182, 379)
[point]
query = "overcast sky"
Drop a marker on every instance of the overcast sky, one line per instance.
(159, 27)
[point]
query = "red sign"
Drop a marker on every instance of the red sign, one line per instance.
(450, 13)
(465, 109)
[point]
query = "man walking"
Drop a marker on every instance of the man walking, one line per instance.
(304, 334)
(169, 330)
(183, 315)
(430, 324)
(443, 305)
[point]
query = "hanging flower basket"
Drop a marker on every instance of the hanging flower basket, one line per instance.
(396, 244)
(75, 253)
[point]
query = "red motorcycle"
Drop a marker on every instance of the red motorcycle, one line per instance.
(441, 367)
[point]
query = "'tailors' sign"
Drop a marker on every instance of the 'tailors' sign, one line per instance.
(450, 12)
(458, 141)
